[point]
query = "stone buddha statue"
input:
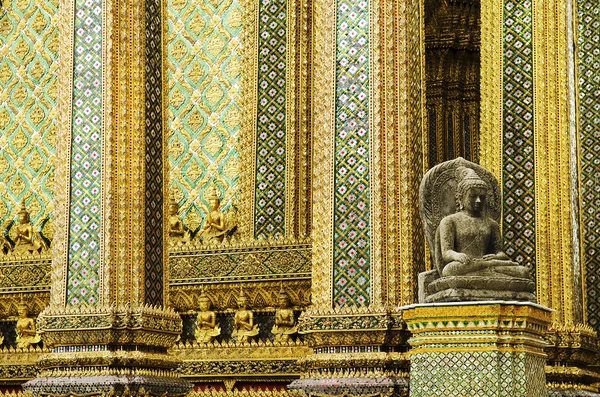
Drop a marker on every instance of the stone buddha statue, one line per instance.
(285, 322)
(466, 244)
(207, 328)
(26, 331)
(244, 328)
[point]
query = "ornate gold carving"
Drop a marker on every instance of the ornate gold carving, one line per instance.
(262, 295)
(195, 263)
(206, 323)
(26, 331)
(285, 323)
(492, 48)
(244, 328)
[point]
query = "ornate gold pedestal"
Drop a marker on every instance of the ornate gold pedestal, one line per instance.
(355, 353)
(477, 349)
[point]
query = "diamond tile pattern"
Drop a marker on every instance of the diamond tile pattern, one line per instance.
(482, 374)
(588, 48)
(351, 208)
(270, 142)
(28, 52)
(518, 144)
(203, 112)
(86, 156)
(154, 266)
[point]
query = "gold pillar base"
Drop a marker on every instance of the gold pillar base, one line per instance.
(356, 352)
(477, 349)
(108, 351)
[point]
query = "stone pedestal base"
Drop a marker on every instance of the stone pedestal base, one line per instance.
(477, 349)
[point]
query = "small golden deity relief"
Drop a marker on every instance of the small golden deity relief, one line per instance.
(177, 232)
(216, 226)
(207, 328)
(285, 323)
(244, 328)
(26, 239)
(26, 332)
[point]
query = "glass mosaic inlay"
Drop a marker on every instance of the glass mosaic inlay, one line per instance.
(86, 156)
(351, 202)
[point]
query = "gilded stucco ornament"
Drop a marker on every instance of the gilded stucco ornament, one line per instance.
(244, 328)
(217, 225)
(178, 234)
(459, 205)
(27, 334)
(285, 322)
(206, 328)
(23, 239)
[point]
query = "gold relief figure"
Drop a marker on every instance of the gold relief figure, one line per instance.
(285, 323)
(244, 328)
(26, 332)
(207, 328)
(177, 230)
(27, 240)
(215, 226)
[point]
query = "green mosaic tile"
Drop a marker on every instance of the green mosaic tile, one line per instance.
(86, 157)
(518, 143)
(271, 123)
(588, 56)
(351, 203)
(481, 374)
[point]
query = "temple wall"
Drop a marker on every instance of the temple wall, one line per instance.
(28, 97)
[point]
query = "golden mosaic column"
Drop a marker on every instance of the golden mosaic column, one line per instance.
(107, 324)
(367, 237)
(529, 89)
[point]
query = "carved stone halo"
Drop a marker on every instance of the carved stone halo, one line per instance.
(437, 195)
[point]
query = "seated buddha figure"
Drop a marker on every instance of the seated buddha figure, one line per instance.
(244, 328)
(215, 225)
(207, 328)
(26, 239)
(285, 323)
(177, 231)
(26, 331)
(470, 241)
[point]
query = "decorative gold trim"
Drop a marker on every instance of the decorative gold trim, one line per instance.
(323, 133)
(492, 50)
(248, 127)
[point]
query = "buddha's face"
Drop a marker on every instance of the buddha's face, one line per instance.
(283, 301)
(243, 303)
(173, 209)
(23, 217)
(474, 200)
(214, 204)
(22, 312)
(204, 305)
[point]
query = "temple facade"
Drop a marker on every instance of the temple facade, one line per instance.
(222, 198)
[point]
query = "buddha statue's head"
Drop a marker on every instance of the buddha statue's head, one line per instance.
(213, 198)
(242, 300)
(471, 191)
(173, 207)
(23, 214)
(22, 309)
(204, 302)
(283, 299)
